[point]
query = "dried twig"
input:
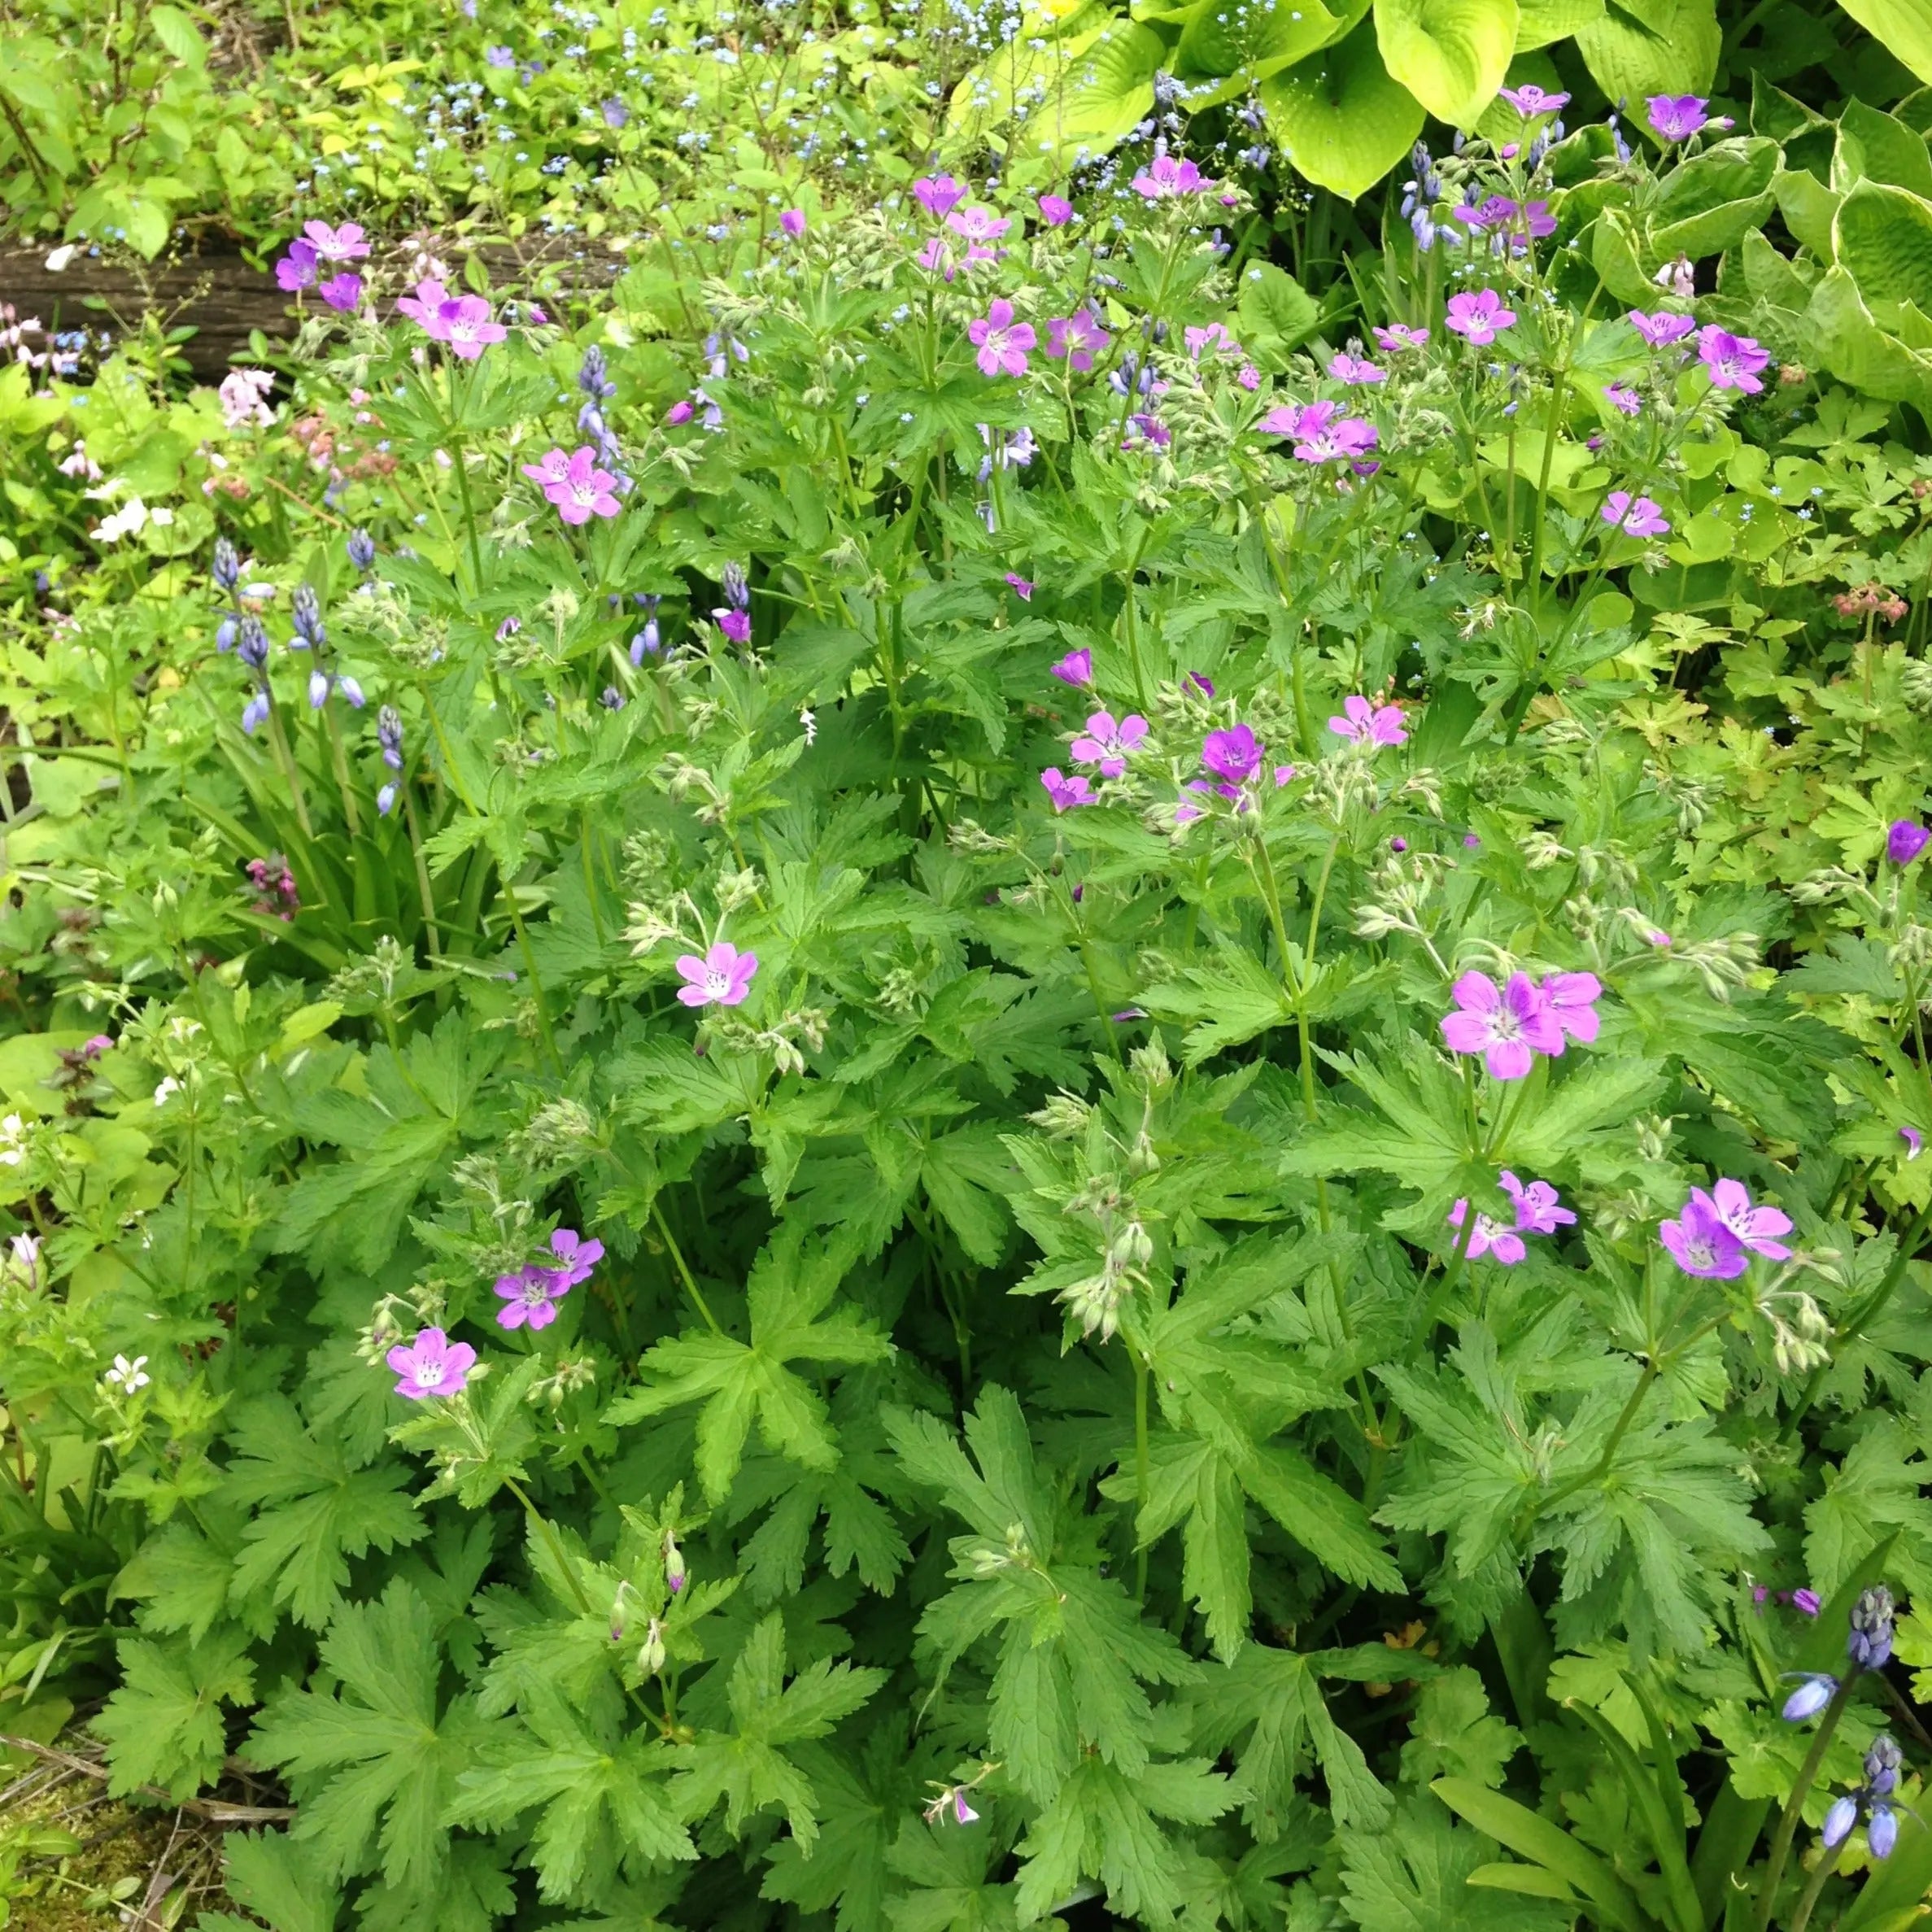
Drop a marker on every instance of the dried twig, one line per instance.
(212, 1809)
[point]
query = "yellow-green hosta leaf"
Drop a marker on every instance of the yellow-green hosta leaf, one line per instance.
(1343, 121)
(1543, 23)
(1451, 55)
(1903, 27)
(1644, 47)
(1104, 93)
(1250, 38)
(1882, 237)
(1848, 341)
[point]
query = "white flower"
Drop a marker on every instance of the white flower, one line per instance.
(130, 521)
(62, 256)
(127, 1375)
(170, 1085)
(12, 1153)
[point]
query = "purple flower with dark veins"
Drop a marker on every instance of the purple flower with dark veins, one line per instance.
(1479, 317)
(1663, 328)
(1108, 744)
(431, 1365)
(1754, 1227)
(1369, 723)
(1075, 668)
(1507, 1025)
(1231, 755)
(1572, 998)
(1066, 792)
(1734, 361)
(1530, 100)
(1676, 116)
(1700, 1243)
(1635, 516)
(1539, 1207)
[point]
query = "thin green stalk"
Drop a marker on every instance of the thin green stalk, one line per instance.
(1828, 1863)
(536, 982)
(685, 1275)
(424, 888)
(1808, 1773)
(339, 759)
(1141, 1479)
(286, 759)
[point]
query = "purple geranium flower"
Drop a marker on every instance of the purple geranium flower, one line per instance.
(1107, 744)
(1489, 1236)
(1479, 316)
(1663, 328)
(1905, 841)
(1637, 516)
(1572, 998)
(938, 195)
(296, 270)
(1754, 1227)
(343, 244)
(1620, 397)
(1539, 1207)
(343, 292)
(722, 978)
(1734, 360)
(1078, 337)
(1676, 116)
(1530, 100)
(1321, 433)
(1369, 723)
(574, 483)
(1064, 791)
(1165, 176)
(1075, 668)
(469, 328)
(1056, 210)
(1507, 1025)
(530, 1296)
(979, 224)
(1231, 755)
(1002, 342)
(431, 1365)
(1491, 212)
(576, 1257)
(792, 221)
(1700, 1243)
(1356, 370)
(1398, 336)
(1022, 587)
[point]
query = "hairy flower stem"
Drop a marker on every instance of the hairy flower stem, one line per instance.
(424, 888)
(286, 760)
(1808, 1773)
(1828, 1863)
(684, 1273)
(1140, 1471)
(338, 760)
(536, 984)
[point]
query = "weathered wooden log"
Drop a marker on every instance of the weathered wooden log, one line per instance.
(222, 298)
